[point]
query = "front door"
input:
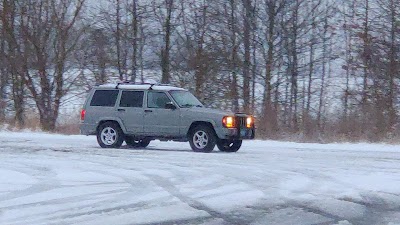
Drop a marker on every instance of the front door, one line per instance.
(160, 121)
(131, 112)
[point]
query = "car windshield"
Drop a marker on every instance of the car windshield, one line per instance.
(185, 99)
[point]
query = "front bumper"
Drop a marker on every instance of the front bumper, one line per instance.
(241, 131)
(236, 133)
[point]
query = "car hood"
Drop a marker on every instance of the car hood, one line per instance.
(211, 111)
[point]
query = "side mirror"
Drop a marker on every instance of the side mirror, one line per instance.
(170, 105)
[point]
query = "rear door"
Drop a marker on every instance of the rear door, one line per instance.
(130, 111)
(160, 121)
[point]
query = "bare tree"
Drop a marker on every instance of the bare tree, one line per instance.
(390, 12)
(272, 10)
(164, 12)
(45, 35)
(14, 58)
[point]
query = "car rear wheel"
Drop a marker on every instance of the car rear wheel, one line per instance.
(229, 145)
(137, 143)
(110, 135)
(202, 139)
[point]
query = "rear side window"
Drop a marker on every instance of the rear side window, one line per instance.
(132, 99)
(105, 98)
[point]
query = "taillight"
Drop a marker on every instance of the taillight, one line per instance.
(228, 121)
(83, 113)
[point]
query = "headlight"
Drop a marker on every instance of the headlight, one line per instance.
(249, 122)
(228, 121)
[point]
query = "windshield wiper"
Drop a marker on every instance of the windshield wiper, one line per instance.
(187, 105)
(191, 105)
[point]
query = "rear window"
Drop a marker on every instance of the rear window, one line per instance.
(104, 98)
(132, 99)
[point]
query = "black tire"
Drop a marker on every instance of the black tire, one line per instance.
(135, 143)
(229, 145)
(115, 137)
(208, 141)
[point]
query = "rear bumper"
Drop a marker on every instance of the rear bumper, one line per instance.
(87, 129)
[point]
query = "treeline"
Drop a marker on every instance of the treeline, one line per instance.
(314, 69)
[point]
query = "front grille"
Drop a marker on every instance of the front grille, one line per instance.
(241, 122)
(243, 132)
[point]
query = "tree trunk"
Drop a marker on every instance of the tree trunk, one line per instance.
(393, 68)
(323, 75)
(270, 116)
(366, 55)
(199, 74)
(247, 60)
(18, 99)
(254, 58)
(200, 67)
(165, 52)
(118, 40)
(141, 50)
(135, 40)
(294, 70)
(348, 67)
(307, 115)
(254, 75)
(14, 60)
(3, 78)
(233, 64)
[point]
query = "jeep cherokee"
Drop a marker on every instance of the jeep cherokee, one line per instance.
(139, 113)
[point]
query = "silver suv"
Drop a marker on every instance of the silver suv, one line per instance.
(139, 113)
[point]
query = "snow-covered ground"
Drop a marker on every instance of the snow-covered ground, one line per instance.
(56, 179)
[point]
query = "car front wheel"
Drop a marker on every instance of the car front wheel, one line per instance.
(229, 145)
(110, 135)
(202, 139)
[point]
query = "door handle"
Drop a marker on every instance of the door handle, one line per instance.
(148, 110)
(121, 110)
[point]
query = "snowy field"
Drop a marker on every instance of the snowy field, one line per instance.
(56, 179)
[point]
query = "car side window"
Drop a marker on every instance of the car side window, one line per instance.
(132, 99)
(105, 98)
(157, 100)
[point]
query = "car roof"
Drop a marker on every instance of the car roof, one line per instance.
(128, 86)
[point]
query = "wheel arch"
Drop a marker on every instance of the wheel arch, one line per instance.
(197, 123)
(117, 121)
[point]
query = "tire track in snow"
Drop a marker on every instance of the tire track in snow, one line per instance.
(267, 170)
(46, 181)
(168, 186)
(117, 201)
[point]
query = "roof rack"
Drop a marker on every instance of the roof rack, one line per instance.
(141, 83)
(135, 83)
(122, 82)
